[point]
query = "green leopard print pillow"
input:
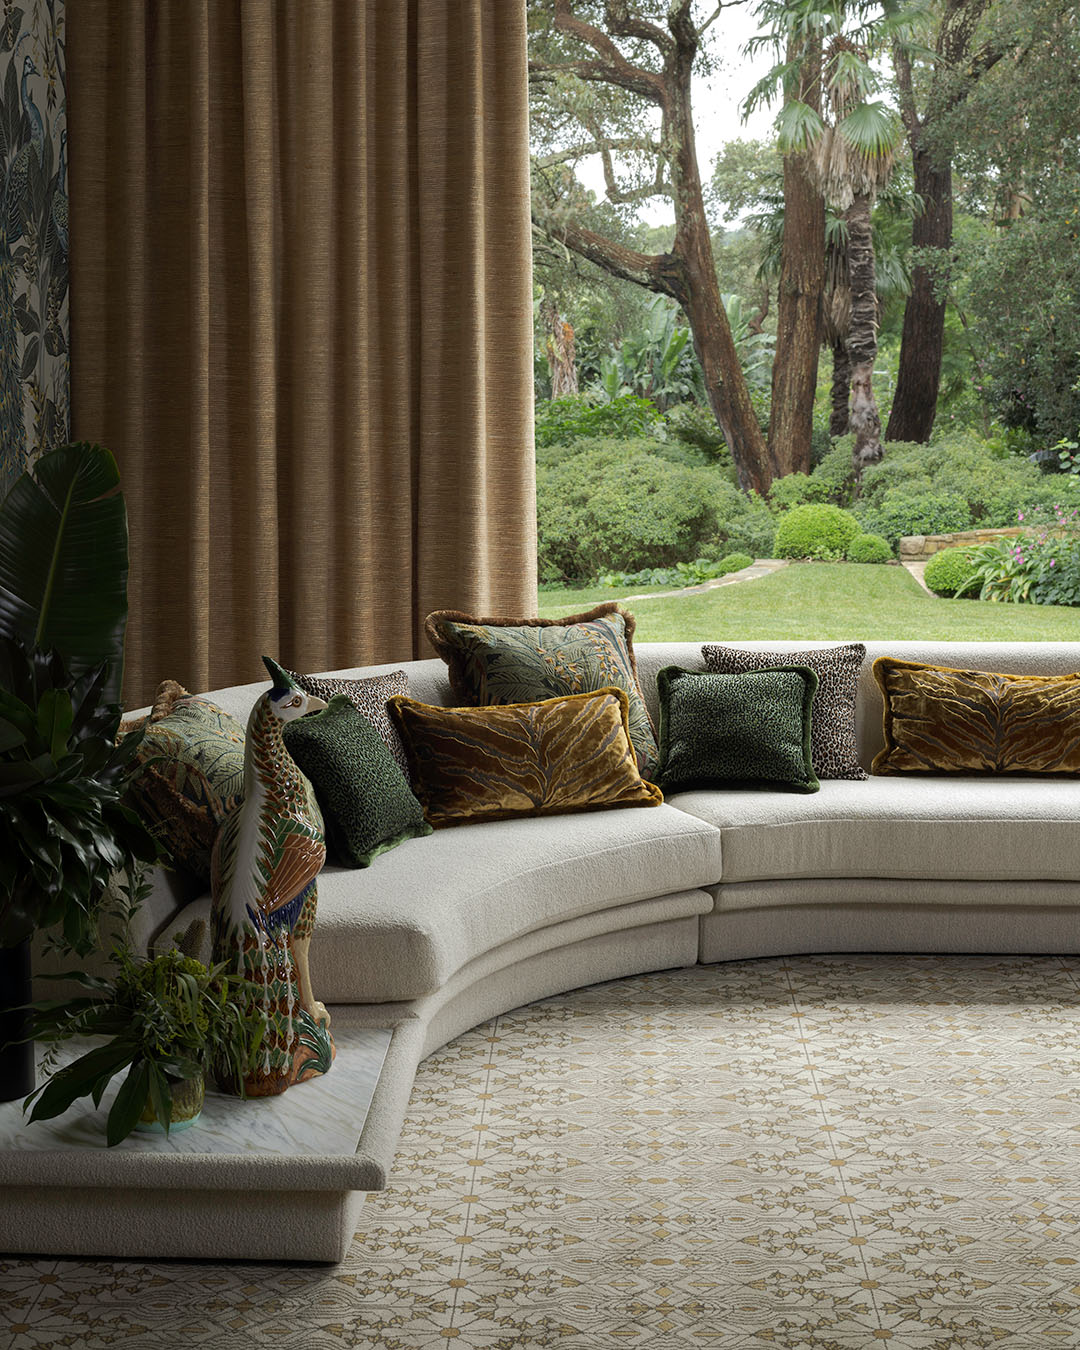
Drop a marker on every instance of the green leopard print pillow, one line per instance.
(366, 803)
(746, 730)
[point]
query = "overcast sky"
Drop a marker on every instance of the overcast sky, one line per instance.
(716, 105)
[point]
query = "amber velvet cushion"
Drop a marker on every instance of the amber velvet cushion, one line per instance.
(504, 660)
(940, 720)
(522, 759)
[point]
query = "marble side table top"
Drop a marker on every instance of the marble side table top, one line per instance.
(306, 1138)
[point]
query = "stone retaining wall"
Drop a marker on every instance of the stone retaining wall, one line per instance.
(916, 546)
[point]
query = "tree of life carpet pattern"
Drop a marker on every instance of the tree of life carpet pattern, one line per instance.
(828, 1153)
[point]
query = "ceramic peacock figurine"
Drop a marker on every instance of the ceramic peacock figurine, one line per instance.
(266, 858)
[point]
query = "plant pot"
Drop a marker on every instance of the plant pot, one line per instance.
(187, 1095)
(16, 1049)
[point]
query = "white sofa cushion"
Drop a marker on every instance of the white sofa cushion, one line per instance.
(973, 828)
(401, 928)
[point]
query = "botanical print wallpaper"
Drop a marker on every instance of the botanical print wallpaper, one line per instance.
(33, 235)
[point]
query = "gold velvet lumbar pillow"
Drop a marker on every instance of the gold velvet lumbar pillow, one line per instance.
(939, 720)
(522, 759)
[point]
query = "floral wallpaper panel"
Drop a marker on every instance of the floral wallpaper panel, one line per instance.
(33, 235)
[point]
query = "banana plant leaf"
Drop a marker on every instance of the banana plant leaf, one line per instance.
(64, 561)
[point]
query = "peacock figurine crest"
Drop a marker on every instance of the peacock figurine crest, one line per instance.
(266, 859)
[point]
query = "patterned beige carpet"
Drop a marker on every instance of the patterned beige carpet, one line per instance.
(824, 1152)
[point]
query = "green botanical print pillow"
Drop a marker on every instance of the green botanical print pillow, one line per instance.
(746, 730)
(191, 774)
(499, 661)
(366, 803)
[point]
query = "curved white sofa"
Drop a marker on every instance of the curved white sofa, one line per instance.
(446, 931)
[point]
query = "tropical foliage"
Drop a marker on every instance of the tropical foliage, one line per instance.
(64, 827)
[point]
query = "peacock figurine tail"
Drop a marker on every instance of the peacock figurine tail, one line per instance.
(266, 859)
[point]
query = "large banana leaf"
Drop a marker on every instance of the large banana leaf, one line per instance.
(64, 561)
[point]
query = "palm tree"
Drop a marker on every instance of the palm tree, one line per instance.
(892, 278)
(850, 146)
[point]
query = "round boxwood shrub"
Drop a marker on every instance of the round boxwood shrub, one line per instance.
(816, 530)
(869, 548)
(949, 571)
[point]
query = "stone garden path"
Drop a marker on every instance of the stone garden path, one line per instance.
(761, 568)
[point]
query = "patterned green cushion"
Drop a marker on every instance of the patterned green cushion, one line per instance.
(747, 730)
(366, 803)
(191, 775)
(501, 661)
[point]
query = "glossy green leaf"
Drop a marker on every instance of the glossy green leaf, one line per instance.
(78, 1079)
(160, 1096)
(54, 720)
(129, 1103)
(64, 560)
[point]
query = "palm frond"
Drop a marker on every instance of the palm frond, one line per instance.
(872, 131)
(798, 126)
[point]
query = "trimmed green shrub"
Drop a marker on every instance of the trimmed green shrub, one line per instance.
(869, 548)
(950, 572)
(561, 421)
(618, 506)
(992, 483)
(752, 529)
(898, 513)
(816, 530)
(831, 481)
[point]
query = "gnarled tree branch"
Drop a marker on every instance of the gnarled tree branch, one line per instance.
(643, 269)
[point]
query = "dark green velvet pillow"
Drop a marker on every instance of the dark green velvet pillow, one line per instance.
(746, 730)
(366, 803)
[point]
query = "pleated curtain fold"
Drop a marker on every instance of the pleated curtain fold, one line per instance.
(301, 315)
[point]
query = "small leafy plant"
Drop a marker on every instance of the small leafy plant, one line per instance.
(170, 1018)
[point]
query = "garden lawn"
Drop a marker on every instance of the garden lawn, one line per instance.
(829, 601)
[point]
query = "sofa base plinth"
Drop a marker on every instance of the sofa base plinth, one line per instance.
(801, 930)
(131, 1222)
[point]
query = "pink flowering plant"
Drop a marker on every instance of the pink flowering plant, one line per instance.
(1041, 566)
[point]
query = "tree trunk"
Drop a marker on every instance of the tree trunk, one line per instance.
(862, 336)
(841, 390)
(799, 306)
(919, 378)
(698, 292)
(559, 350)
(688, 273)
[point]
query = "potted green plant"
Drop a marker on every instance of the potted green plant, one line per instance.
(172, 1022)
(64, 828)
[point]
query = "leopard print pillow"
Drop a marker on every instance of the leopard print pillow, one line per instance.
(368, 697)
(833, 742)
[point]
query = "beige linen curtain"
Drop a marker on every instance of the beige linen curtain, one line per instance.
(301, 318)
